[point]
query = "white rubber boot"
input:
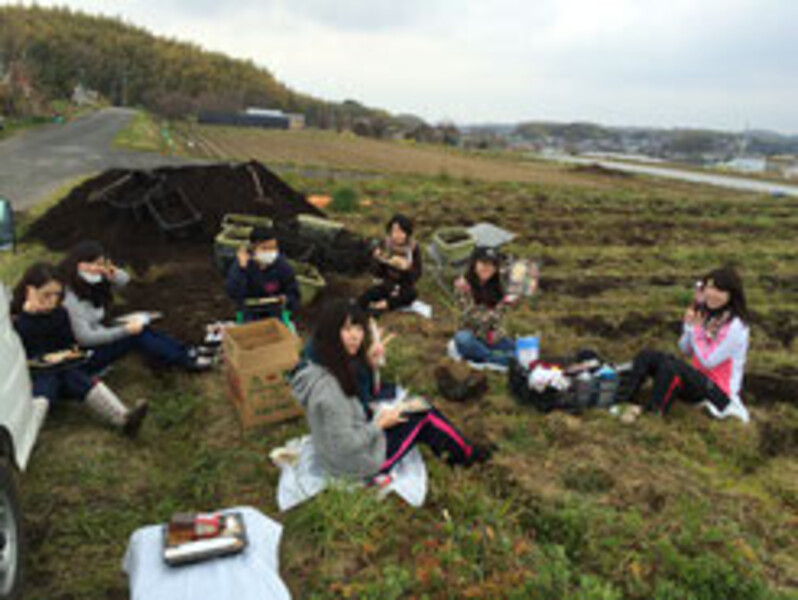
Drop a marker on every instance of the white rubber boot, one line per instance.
(105, 403)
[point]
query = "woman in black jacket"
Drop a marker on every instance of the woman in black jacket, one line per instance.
(397, 264)
(43, 326)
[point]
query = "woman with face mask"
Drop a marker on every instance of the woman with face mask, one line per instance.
(350, 438)
(482, 301)
(91, 281)
(260, 272)
(44, 328)
(715, 341)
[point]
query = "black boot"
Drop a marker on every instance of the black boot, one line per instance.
(135, 418)
(480, 453)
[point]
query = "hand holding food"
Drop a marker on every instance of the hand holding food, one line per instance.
(136, 326)
(400, 263)
(53, 358)
(692, 316)
(461, 284)
(388, 417)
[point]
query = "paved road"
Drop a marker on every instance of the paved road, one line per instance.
(36, 163)
(735, 183)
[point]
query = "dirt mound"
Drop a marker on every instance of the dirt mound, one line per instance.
(162, 223)
(134, 213)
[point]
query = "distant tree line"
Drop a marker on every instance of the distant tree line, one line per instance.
(46, 52)
(665, 143)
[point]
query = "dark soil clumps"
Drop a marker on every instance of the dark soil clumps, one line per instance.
(779, 325)
(116, 208)
(770, 388)
(632, 325)
(778, 438)
(125, 211)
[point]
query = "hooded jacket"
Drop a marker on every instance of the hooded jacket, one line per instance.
(346, 441)
(278, 279)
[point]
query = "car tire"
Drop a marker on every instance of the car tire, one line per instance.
(12, 541)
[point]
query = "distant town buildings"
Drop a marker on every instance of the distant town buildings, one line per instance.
(784, 165)
(745, 164)
(83, 96)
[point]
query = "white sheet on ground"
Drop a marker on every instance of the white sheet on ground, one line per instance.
(302, 481)
(305, 477)
(253, 574)
(420, 308)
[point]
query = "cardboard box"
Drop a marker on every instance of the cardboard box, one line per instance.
(257, 355)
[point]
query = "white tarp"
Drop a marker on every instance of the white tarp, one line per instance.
(301, 481)
(420, 308)
(254, 574)
(303, 478)
(490, 236)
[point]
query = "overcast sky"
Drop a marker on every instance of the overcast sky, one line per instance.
(721, 64)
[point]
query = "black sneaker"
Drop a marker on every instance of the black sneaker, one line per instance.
(204, 350)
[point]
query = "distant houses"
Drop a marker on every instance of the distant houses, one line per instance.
(783, 165)
(83, 96)
(746, 164)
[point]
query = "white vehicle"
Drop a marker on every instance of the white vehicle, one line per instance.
(21, 418)
(8, 238)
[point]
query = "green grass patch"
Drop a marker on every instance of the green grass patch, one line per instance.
(142, 134)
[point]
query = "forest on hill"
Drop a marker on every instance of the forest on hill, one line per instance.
(46, 52)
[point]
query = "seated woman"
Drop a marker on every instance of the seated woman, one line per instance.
(482, 302)
(349, 437)
(715, 339)
(91, 280)
(397, 264)
(261, 273)
(43, 325)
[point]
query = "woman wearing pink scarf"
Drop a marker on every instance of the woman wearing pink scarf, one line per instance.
(715, 341)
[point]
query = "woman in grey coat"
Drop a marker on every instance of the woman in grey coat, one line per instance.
(91, 281)
(351, 438)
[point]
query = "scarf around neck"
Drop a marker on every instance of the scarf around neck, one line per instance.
(714, 322)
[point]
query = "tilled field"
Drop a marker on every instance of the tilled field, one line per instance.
(572, 506)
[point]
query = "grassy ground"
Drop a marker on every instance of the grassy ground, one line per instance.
(143, 134)
(67, 111)
(14, 126)
(572, 507)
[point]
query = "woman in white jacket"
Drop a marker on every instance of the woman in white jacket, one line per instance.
(715, 340)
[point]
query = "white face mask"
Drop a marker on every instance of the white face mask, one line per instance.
(266, 258)
(90, 278)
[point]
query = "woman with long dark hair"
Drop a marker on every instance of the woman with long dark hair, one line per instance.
(91, 279)
(44, 328)
(481, 298)
(715, 340)
(397, 265)
(350, 438)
